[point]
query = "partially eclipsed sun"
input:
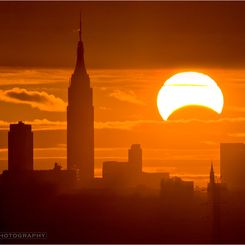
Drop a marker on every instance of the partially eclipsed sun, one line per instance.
(189, 89)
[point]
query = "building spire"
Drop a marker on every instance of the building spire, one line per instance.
(80, 65)
(212, 176)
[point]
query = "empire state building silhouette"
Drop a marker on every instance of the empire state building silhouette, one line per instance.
(80, 120)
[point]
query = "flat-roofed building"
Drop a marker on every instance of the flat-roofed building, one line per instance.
(20, 147)
(232, 165)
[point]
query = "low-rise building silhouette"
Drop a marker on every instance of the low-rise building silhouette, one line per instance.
(130, 174)
(124, 174)
(153, 179)
(175, 187)
(118, 174)
(20, 147)
(50, 180)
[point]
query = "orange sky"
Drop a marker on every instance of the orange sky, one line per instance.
(125, 113)
(123, 34)
(131, 48)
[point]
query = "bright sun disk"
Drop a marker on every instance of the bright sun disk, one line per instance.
(189, 89)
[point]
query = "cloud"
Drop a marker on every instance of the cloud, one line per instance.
(123, 125)
(4, 125)
(104, 108)
(237, 135)
(126, 96)
(45, 124)
(236, 108)
(221, 120)
(40, 100)
(130, 124)
(24, 76)
(38, 125)
(209, 142)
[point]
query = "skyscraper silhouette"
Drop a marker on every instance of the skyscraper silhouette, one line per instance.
(135, 158)
(232, 168)
(211, 175)
(80, 119)
(214, 202)
(20, 148)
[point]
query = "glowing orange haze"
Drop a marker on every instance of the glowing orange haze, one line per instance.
(125, 113)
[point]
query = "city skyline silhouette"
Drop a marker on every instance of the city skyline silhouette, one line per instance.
(88, 159)
(124, 96)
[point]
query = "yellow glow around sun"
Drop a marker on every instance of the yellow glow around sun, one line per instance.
(188, 89)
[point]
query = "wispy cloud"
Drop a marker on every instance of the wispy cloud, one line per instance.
(130, 124)
(209, 142)
(237, 135)
(126, 96)
(40, 100)
(104, 108)
(38, 124)
(24, 76)
(220, 120)
(123, 125)
(45, 124)
(236, 108)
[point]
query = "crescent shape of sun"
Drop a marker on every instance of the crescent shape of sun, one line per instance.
(189, 89)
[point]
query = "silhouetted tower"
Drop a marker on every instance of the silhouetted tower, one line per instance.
(135, 158)
(214, 201)
(80, 119)
(212, 176)
(232, 167)
(20, 148)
